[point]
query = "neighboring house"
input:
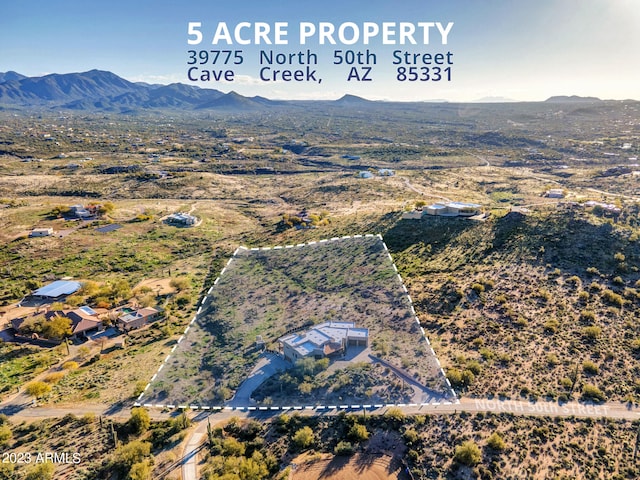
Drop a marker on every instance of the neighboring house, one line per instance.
(412, 215)
(80, 212)
(182, 219)
(84, 321)
(323, 340)
(137, 318)
(453, 209)
(56, 291)
(41, 232)
(386, 172)
(555, 193)
(365, 174)
(607, 207)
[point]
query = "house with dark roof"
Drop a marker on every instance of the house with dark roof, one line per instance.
(84, 321)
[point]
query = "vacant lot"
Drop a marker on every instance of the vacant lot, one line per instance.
(268, 293)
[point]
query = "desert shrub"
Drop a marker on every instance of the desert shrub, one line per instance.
(303, 438)
(474, 366)
(140, 471)
(552, 359)
(551, 325)
(591, 392)
(139, 421)
(37, 389)
(410, 436)
(180, 283)
(592, 332)
(54, 377)
(395, 414)
(468, 377)
(232, 447)
(496, 442)
(5, 434)
(486, 354)
(455, 377)
(612, 298)
(583, 296)
(566, 382)
(358, 433)
(41, 471)
(587, 316)
(478, 288)
(343, 448)
(131, 453)
(468, 454)
(574, 280)
(590, 367)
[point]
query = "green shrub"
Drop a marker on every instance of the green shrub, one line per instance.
(574, 280)
(468, 454)
(496, 442)
(303, 438)
(139, 421)
(395, 414)
(590, 367)
(343, 448)
(551, 325)
(592, 332)
(591, 392)
(612, 298)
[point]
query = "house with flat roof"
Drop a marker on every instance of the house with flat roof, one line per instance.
(453, 209)
(323, 340)
(181, 220)
(131, 320)
(555, 193)
(79, 211)
(41, 232)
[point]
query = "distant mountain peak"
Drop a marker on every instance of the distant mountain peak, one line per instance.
(571, 99)
(351, 99)
(10, 76)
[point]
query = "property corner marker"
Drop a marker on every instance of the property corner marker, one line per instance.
(205, 298)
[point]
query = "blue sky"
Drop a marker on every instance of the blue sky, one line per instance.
(520, 50)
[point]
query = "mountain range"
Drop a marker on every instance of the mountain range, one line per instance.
(102, 90)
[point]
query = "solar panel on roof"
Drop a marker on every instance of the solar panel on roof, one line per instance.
(88, 310)
(58, 288)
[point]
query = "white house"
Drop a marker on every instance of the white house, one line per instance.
(323, 340)
(555, 193)
(41, 232)
(453, 209)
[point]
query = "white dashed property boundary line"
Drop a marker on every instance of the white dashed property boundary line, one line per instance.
(413, 311)
(310, 407)
(263, 408)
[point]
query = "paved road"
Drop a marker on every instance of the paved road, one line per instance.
(268, 365)
(189, 467)
(190, 456)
